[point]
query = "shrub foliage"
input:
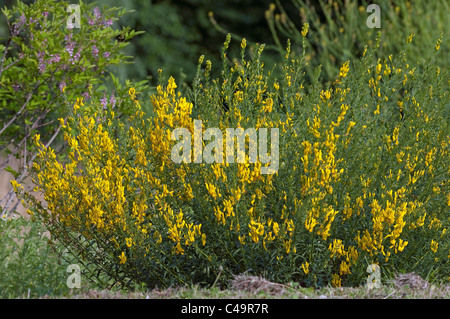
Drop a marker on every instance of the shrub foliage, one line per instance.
(363, 176)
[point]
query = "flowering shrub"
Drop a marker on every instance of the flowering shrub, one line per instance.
(363, 178)
(46, 66)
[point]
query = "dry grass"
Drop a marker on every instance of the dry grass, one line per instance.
(404, 286)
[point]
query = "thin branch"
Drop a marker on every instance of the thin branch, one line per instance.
(11, 195)
(4, 55)
(18, 113)
(18, 146)
(9, 65)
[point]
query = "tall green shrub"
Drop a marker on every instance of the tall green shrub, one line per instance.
(45, 67)
(363, 176)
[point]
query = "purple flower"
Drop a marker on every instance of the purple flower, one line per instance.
(85, 95)
(15, 30)
(70, 46)
(22, 19)
(104, 101)
(55, 58)
(108, 23)
(68, 37)
(46, 14)
(97, 13)
(76, 57)
(112, 100)
(42, 65)
(95, 51)
(106, 54)
(19, 24)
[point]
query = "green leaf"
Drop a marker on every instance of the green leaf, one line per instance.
(12, 171)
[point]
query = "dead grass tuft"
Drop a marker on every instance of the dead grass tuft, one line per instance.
(411, 280)
(257, 285)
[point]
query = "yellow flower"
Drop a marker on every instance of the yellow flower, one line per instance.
(267, 105)
(203, 239)
(287, 245)
(434, 246)
(129, 242)
(256, 230)
(344, 69)
(378, 68)
(344, 268)
(243, 43)
(377, 111)
(229, 207)
(402, 244)
(305, 29)
(325, 95)
(336, 280)
(350, 125)
(123, 258)
(276, 228)
(79, 103)
(178, 249)
(305, 267)
(15, 185)
(132, 93)
(438, 44)
(212, 190)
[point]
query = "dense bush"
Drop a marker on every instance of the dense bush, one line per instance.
(46, 66)
(363, 176)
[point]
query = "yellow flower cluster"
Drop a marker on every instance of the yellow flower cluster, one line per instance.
(320, 172)
(332, 194)
(100, 189)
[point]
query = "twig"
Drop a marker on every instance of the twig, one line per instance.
(389, 294)
(18, 113)
(34, 126)
(4, 54)
(11, 195)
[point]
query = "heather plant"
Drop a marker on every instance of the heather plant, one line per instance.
(49, 60)
(363, 176)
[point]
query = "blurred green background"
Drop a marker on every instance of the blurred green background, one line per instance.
(178, 32)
